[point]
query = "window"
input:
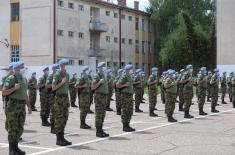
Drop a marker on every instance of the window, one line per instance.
(70, 33)
(143, 47)
(123, 64)
(15, 11)
(115, 15)
(115, 39)
(130, 41)
(130, 18)
(143, 66)
(81, 7)
(107, 13)
(60, 3)
(149, 47)
(71, 5)
(60, 32)
(108, 39)
(80, 62)
(143, 25)
(136, 65)
(71, 62)
(123, 17)
(136, 23)
(81, 35)
(115, 64)
(137, 46)
(123, 40)
(15, 53)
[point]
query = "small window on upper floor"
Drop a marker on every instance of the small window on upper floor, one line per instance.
(123, 17)
(108, 39)
(70, 33)
(130, 18)
(60, 3)
(70, 5)
(60, 32)
(115, 15)
(81, 35)
(107, 13)
(81, 7)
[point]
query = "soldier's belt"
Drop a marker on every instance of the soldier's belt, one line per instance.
(17, 100)
(61, 95)
(171, 93)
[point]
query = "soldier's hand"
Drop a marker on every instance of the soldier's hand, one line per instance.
(63, 80)
(102, 81)
(17, 86)
(29, 110)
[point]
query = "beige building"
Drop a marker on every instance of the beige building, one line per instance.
(41, 32)
(226, 35)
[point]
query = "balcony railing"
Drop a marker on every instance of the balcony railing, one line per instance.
(98, 26)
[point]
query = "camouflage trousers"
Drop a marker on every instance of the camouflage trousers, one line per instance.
(138, 96)
(201, 97)
(127, 107)
(84, 105)
(100, 106)
(214, 96)
(91, 97)
(223, 91)
(32, 97)
(152, 98)
(61, 112)
(209, 92)
(162, 94)
(230, 92)
(73, 94)
(170, 104)
(118, 99)
(15, 119)
(45, 106)
(51, 101)
(181, 97)
(142, 93)
(233, 95)
(187, 100)
(108, 99)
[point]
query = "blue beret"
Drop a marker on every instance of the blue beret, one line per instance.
(216, 70)
(120, 71)
(17, 64)
(108, 70)
(74, 73)
(55, 66)
(128, 67)
(45, 69)
(224, 72)
(154, 69)
(138, 70)
(85, 68)
(11, 65)
(63, 62)
(34, 73)
(189, 66)
(101, 64)
(182, 70)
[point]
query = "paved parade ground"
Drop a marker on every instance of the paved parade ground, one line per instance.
(213, 134)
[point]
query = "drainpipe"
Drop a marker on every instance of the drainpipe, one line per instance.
(54, 32)
(120, 39)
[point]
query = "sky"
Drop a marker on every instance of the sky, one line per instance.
(130, 3)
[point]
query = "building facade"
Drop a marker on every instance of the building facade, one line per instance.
(225, 35)
(84, 31)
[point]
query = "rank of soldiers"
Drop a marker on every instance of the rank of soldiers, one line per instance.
(58, 92)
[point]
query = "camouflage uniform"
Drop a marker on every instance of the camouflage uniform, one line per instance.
(32, 87)
(233, 90)
(201, 87)
(73, 91)
(152, 93)
(223, 82)
(208, 87)
(117, 95)
(162, 89)
(15, 109)
(45, 106)
(126, 100)
(138, 92)
(229, 82)
(214, 92)
(180, 92)
(2, 85)
(91, 94)
(61, 104)
(110, 92)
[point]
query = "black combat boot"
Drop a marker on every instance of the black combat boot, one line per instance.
(127, 128)
(119, 111)
(201, 112)
(214, 110)
(208, 99)
(108, 108)
(12, 149)
(137, 109)
(233, 104)
(187, 115)
(18, 150)
(84, 125)
(181, 108)
(59, 140)
(171, 119)
(100, 133)
(223, 102)
(66, 142)
(52, 128)
(44, 121)
(230, 98)
(90, 112)
(73, 105)
(152, 114)
(34, 108)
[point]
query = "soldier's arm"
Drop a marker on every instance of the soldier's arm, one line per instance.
(28, 103)
(57, 86)
(122, 83)
(6, 92)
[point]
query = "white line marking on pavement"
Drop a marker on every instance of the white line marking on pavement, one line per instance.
(124, 134)
(29, 146)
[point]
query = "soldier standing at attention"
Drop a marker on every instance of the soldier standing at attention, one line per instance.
(73, 90)
(118, 92)
(45, 107)
(187, 90)
(214, 90)
(137, 84)
(100, 86)
(229, 82)
(180, 90)
(84, 85)
(223, 82)
(143, 84)
(209, 86)
(201, 86)
(233, 90)
(152, 85)
(32, 87)
(171, 93)
(91, 92)
(15, 89)
(110, 88)
(60, 84)
(161, 83)
(51, 96)
(125, 83)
